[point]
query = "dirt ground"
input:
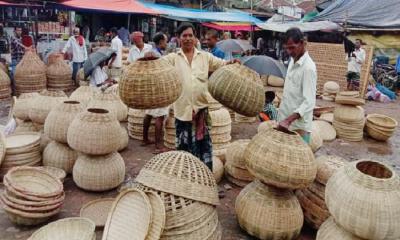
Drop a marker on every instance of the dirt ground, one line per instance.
(135, 156)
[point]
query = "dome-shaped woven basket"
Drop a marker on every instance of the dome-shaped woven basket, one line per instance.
(59, 155)
(363, 197)
(182, 174)
(325, 130)
(269, 213)
(44, 103)
(281, 159)
(382, 121)
(150, 84)
(60, 117)
(30, 74)
(327, 117)
(66, 229)
(83, 94)
(331, 87)
(59, 76)
(95, 131)
(275, 81)
(329, 230)
(99, 173)
(314, 208)
(112, 103)
(327, 165)
(377, 134)
(238, 88)
(124, 139)
(5, 86)
(23, 105)
(235, 153)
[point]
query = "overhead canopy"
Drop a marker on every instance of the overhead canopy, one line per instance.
(122, 6)
(304, 26)
(365, 13)
(225, 26)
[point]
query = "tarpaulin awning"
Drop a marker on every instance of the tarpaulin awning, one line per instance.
(232, 26)
(8, 3)
(303, 26)
(122, 6)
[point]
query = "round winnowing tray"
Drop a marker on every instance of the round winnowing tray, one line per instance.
(97, 210)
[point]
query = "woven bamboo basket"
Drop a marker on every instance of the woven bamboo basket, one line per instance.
(59, 155)
(59, 76)
(316, 140)
(218, 169)
(97, 210)
(235, 153)
(3, 147)
(95, 131)
(281, 159)
(327, 165)
(348, 114)
(66, 229)
(275, 81)
(220, 118)
(124, 139)
(44, 140)
(213, 104)
(221, 154)
(55, 57)
(383, 121)
(354, 101)
(30, 209)
(44, 103)
(349, 132)
(237, 182)
(150, 84)
(25, 126)
(326, 131)
(329, 230)
(238, 173)
(16, 197)
(331, 87)
(377, 134)
(112, 103)
(58, 173)
(238, 88)
(314, 208)
(130, 216)
(354, 94)
(60, 117)
(30, 74)
(28, 219)
(266, 126)
(83, 94)
(23, 105)
(99, 173)
(363, 197)
(182, 174)
(5, 86)
(269, 213)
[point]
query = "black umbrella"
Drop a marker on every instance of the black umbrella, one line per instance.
(265, 65)
(95, 59)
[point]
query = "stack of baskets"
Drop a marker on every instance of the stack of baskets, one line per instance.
(312, 199)
(267, 208)
(363, 198)
(59, 76)
(170, 131)
(135, 125)
(5, 86)
(30, 74)
(348, 122)
(112, 103)
(243, 119)
(96, 133)
(235, 165)
(380, 127)
(330, 90)
(31, 195)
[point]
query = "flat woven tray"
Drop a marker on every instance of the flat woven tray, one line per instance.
(97, 210)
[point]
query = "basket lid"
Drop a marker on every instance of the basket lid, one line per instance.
(97, 210)
(22, 140)
(355, 101)
(129, 218)
(158, 216)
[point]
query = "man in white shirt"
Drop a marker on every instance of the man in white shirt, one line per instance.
(139, 49)
(354, 66)
(79, 53)
(299, 92)
(115, 65)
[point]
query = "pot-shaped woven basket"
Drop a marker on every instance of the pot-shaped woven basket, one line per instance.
(218, 169)
(150, 84)
(182, 174)
(281, 159)
(124, 139)
(112, 103)
(59, 76)
(235, 153)
(66, 229)
(5, 85)
(329, 230)
(239, 88)
(23, 105)
(95, 131)
(60, 117)
(59, 155)
(275, 81)
(30, 74)
(364, 198)
(44, 103)
(327, 165)
(83, 94)
(99, 173)
(269, 213)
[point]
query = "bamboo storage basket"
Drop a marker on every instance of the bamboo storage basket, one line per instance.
(327, 165)
(135, 124)
(269, 213)
(348, 122)
(281, 159)
(5, 86)
(59, 76)
(44, 103)
(60, 117)
(95, 131)
(150, 84)
(30, 74)
(218, 169)
(83, 94)
(380, 127)
(112, 103)
(23, 105)
(97, 210)
(329, 230)
(235, 153)
(363, 197)
(266, 126)
(99, 173)
(239, 88)
(59, 155)
(182, 174)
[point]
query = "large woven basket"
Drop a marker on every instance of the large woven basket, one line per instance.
(235, 153)
(59, 155)
(23, 105)
(66, 229)
(281, 159)
(269, 213)
(60, 117)
(30, 74)
(83, 94)
(238, 88)
(182, 174)
(325, 130)
(5, 86)
(59, 76)
(327, 165)
(150, 84)
(377, 134)
(99, 173)
(329, 230)
(363, 197)
(44, 103)
(314, 208)
(95, 131)
(238, 173)
(112, 103)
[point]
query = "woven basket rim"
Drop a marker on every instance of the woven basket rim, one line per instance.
(83, 214)
(375, 119)
(158, 214)
(32, 202)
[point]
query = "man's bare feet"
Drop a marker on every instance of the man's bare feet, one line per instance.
(146, 143)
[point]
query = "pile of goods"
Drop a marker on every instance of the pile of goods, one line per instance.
(59, 76)
(267, 208)
(348, 122)
(363, 198)
(32, 195)
(235, 165)
(331, 89)
(30, 74)
(135, 125)
(312, 198)
(243, 119)
(96, 134)
(380, 127)
(112, 103)
(5, 86)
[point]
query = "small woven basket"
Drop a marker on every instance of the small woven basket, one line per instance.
(59, 155)
(383, 121)
(329, 230)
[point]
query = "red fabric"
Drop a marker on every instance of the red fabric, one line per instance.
(247, 28)
(199, 120)
(264, 117)
(27, 41)
(80, 40)
(127, 6)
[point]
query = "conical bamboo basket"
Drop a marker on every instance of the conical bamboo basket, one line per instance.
(59, 76)
(44, 103)
(30, 74)
(59, 155)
